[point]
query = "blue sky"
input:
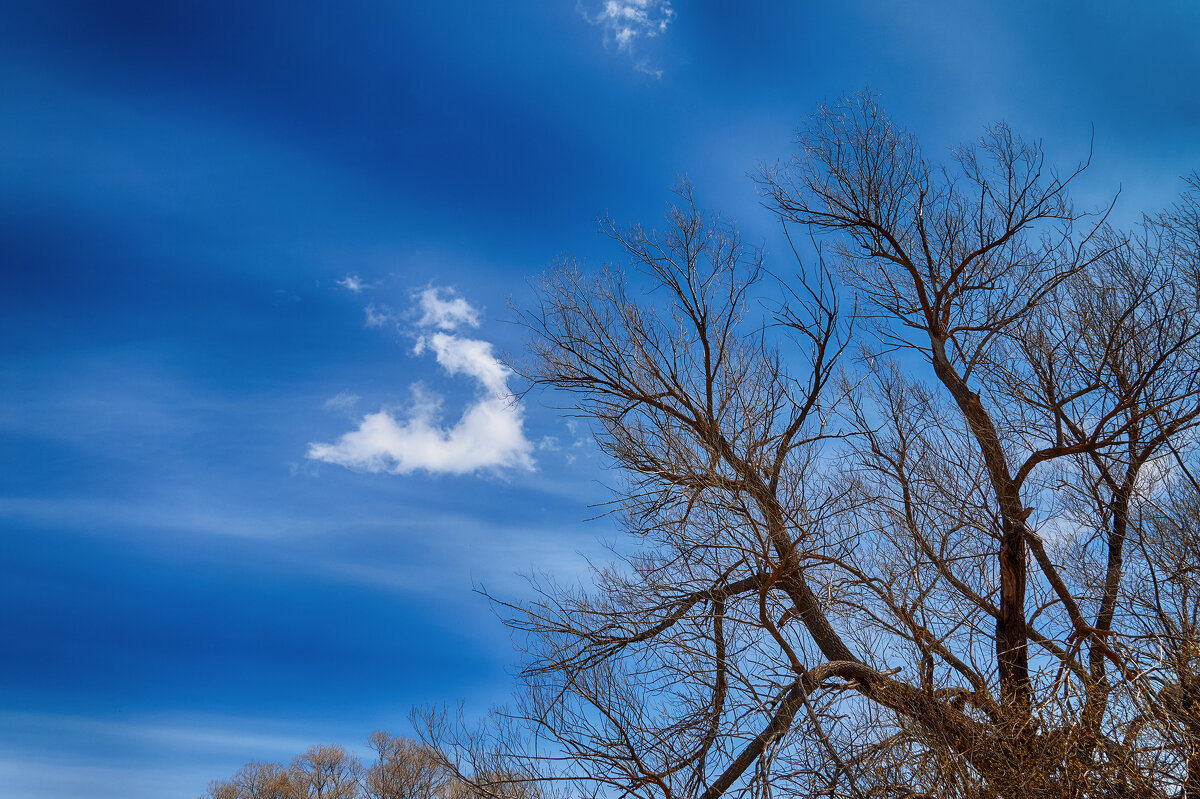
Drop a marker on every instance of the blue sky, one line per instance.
(235, 236)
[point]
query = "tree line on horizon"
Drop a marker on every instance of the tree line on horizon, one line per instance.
(401, 768)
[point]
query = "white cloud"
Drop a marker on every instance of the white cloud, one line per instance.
(352, 283)
(643, 66)
(489, 434)
(377, 317)
(625, 22)
(446, 314)
(342, 401)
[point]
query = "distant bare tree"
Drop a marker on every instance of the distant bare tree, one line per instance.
(266, 781)
(255, 781)
(404, 769)
(222, 789)
(961, 563)
(325, 772)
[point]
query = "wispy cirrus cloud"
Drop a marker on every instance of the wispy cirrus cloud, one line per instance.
(627, 22)
(488, 436)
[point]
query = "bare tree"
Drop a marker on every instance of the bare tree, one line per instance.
(221, 789)
(942, 566)
(255, 781)
(404, 769)
(325, 772)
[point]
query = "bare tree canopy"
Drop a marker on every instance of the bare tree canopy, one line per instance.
(920, 520)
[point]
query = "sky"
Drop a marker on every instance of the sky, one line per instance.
(259, 449)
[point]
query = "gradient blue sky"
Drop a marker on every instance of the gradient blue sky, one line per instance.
(184, 184)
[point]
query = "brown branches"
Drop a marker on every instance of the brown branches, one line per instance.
(927, 551)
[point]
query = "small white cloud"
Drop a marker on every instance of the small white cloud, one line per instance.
(489, 434)
(377, 317)
(447, 313)
(625, 22)
(352, 283)
(342, 401)
(644, 67)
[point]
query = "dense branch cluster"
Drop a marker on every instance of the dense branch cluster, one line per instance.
(921, 520)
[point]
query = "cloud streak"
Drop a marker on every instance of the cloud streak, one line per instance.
(488, 436)
(342, 401)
